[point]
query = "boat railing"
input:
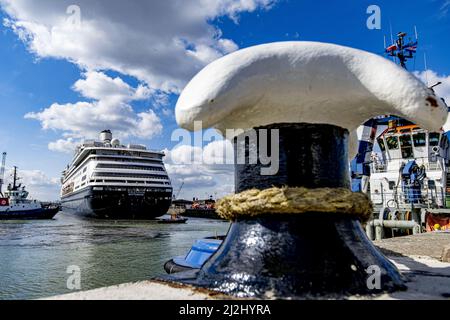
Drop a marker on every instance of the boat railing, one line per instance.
(406, 198)
(433, 166)
(429, 166)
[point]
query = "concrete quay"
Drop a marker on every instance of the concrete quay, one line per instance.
(423, 259)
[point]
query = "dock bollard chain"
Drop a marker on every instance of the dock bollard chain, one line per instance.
(296, 234)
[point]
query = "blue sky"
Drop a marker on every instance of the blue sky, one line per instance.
(35, 74)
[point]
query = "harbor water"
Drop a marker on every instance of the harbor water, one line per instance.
(36, 257)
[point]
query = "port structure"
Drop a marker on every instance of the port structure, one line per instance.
(2, 172)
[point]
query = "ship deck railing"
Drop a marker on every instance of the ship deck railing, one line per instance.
(429, 166)
(397, 198)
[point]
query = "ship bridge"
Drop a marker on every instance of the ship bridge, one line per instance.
(412, 170)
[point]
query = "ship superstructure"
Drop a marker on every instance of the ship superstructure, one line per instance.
(410, 171)
(404, 169)
(109, 180)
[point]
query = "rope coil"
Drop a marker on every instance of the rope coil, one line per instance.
(292, 201)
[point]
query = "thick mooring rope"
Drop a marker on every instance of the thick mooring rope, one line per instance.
(293, 201)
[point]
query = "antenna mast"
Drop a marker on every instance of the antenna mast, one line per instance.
(426, 67)
(2, 172)
(179, 191)
(15, 179)
(401, 49)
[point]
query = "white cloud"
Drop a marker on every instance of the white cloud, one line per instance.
(63, 145)
(442, 90)
(204, 171)
(219, 153)
(37, 183)
(97, 85)
(445, 7)
(186, 155)
(199, 181)
(430, 77)
(110, 110)
(162, 43)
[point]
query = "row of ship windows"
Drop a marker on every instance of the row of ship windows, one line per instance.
(123, 181)
(129, 175)
(113, 166)
(407, 141)
(126, 160)
(126, 154)
(129, 181)
(80, 186)
(418, 139)
(120, 166)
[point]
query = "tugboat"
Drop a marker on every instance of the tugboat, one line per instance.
(174, 218)
(14, 204)
(408, 175)
(201, 209)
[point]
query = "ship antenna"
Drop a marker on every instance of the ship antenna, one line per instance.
(14, 178)
(392, 39)
(435, 85)
(402, 49)
(392, 36)
(426, 68)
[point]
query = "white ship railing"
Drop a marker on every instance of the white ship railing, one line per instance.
(433, 166)
(429, 166)
(379, 168)
(396, 198)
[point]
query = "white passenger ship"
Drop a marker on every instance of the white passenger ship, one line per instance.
(109, 180)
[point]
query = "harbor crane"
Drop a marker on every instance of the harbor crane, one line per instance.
(2, 172)
(179, 191)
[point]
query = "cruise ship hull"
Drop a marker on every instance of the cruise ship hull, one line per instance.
(124, 203)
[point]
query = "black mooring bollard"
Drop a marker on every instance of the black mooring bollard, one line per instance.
(303, 238)
(313, 254)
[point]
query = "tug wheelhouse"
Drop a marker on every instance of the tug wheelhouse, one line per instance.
(411, 159)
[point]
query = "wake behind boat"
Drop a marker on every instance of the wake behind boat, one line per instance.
(14, 204)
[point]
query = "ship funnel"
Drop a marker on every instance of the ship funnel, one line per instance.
(106, 136)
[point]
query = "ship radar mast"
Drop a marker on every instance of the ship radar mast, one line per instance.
(401, 49)
(15, 186)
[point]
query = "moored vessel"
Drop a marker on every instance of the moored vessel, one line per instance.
(201, 209)
(109, 180)
(404, 168)
(15, 205)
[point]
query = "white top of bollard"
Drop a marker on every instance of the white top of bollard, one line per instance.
(312, 82)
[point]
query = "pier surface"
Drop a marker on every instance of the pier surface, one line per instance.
(144, 290)
(423, 259)
(430, 244)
